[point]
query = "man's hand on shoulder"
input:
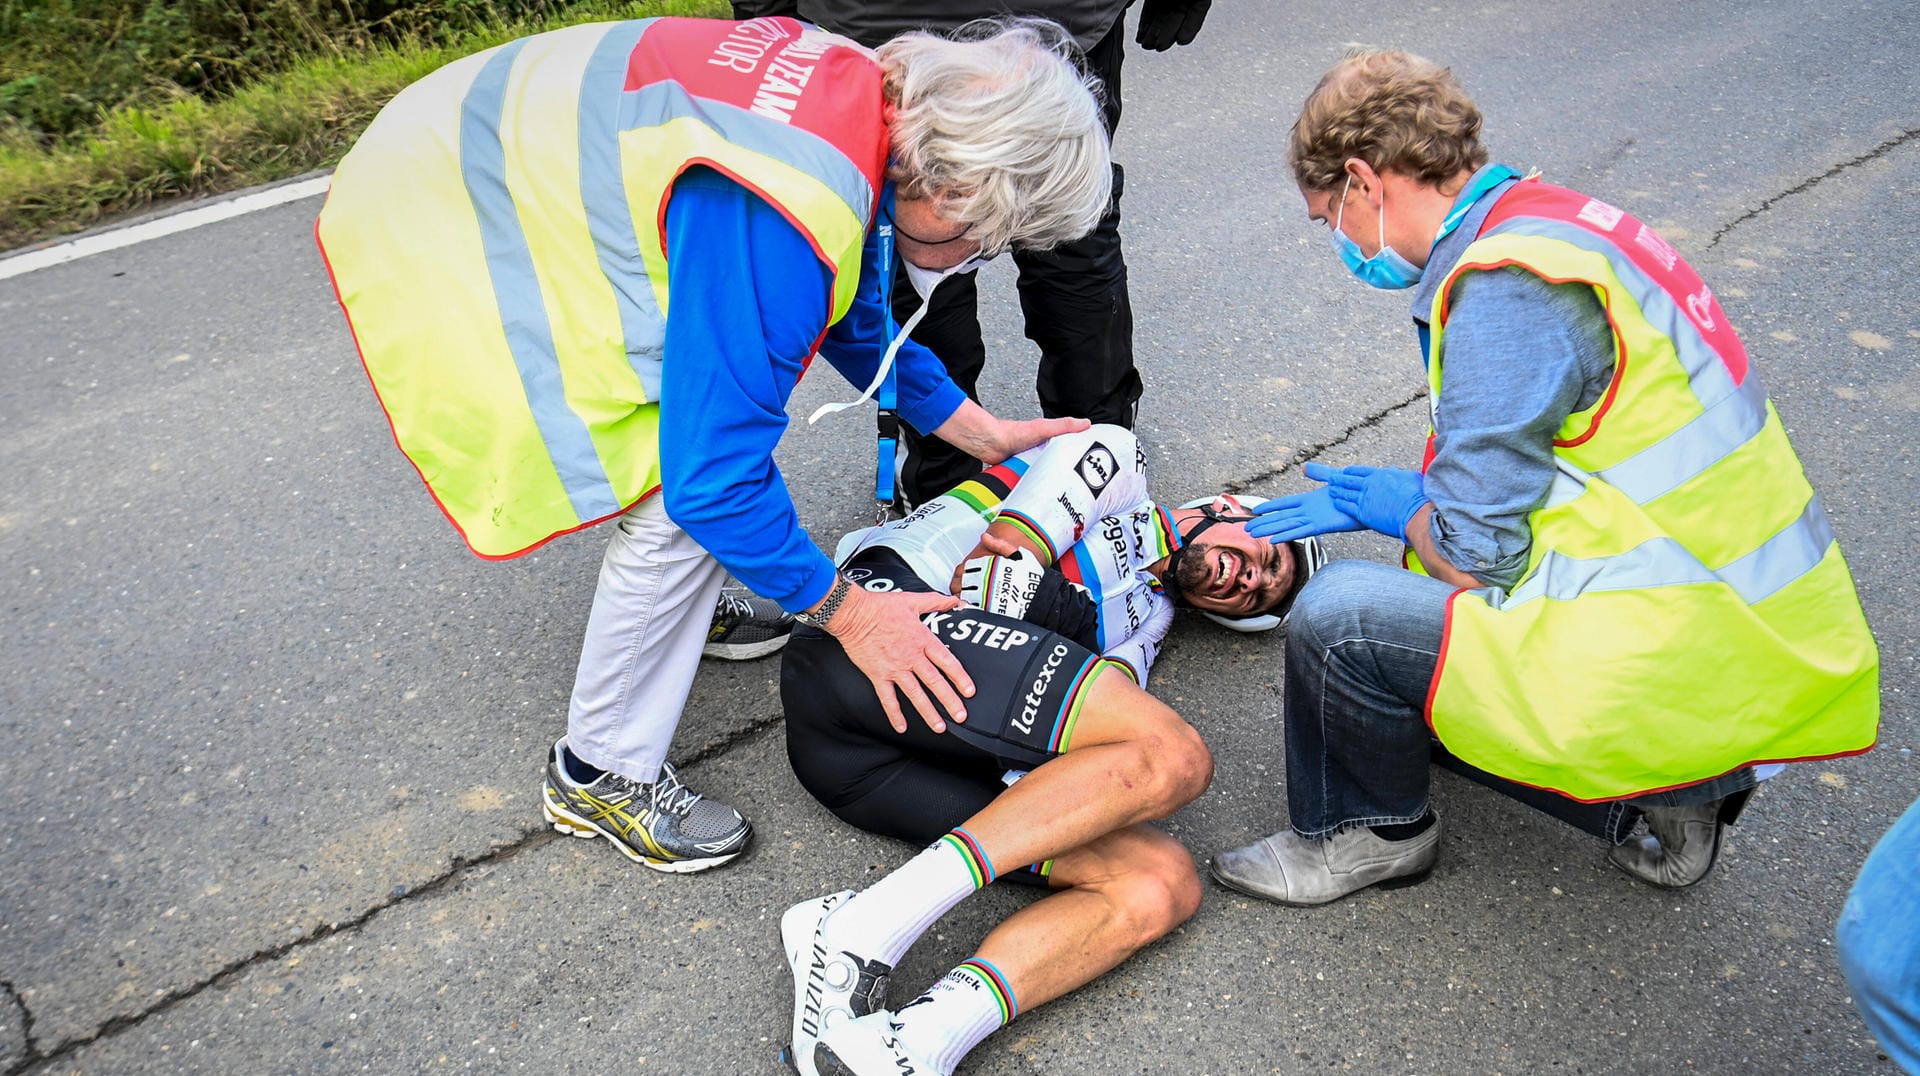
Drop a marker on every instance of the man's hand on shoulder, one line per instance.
(977, 432)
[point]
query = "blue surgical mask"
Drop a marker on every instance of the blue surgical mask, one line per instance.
(1387, 269)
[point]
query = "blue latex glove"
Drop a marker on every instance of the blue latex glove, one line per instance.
(1383, 498)
(1302, 515)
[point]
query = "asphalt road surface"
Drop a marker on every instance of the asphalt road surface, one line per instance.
(271, 738)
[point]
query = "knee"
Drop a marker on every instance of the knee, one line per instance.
(805, 760)
(1160, 890)
(1174, 764)
(1877, 953)
(1332, 596)
(1119, 439)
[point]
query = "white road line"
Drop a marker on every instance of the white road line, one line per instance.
(178, 222)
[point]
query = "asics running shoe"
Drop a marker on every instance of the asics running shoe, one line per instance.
(746, 626)
(662, 825)
(868, 1046)
(829, 987)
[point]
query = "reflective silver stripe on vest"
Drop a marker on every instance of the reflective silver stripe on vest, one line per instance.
(1731, 414)
(604, 194)
(516, 290)
(1568, 482)
(1706, 373)
(1664, 562)
(1688, 451)
(661, 102)
(606, 109)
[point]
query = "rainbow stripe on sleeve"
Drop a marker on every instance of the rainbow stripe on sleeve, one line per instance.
(1166, 536)
(1032, 530)
(984, 491)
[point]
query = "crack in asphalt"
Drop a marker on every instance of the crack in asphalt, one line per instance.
(1876, 152)
(26, 1022)
(456, 871)
(171, 998)
(1313, 451)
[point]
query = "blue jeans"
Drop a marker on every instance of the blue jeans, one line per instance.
(1879, 937)
(1361, 646)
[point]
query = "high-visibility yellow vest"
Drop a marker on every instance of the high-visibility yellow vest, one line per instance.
(1685, 609)
(496, 238)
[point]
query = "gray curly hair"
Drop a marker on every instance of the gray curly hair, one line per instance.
(998, 127)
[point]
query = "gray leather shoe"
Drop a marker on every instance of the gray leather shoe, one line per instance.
(1681, 849)
(1288, 869)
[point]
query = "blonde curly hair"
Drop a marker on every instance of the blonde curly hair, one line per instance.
(1391, 109)
(999, 128)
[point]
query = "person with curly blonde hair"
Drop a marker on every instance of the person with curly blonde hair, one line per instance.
(1623, 586)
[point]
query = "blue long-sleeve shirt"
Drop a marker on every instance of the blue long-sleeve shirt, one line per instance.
(749, 300)
(1521, 354)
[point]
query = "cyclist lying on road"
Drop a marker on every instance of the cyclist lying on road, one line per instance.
(1071, 575)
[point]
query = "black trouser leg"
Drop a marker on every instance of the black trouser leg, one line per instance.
(1074, 299)
(1075, 295)
(951, 330)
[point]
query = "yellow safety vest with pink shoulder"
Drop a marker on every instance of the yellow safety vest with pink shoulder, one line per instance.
(1685, 609)
(496, 238)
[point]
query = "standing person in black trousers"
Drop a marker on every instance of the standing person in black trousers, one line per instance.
(1074, 296)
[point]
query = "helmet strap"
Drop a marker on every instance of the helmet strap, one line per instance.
(1170, 581)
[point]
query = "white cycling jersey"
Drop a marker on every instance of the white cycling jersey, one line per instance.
(1082, 499)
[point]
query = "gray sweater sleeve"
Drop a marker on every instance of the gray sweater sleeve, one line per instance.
(1520, 355)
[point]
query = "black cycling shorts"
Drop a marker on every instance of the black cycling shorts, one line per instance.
(1029, 686)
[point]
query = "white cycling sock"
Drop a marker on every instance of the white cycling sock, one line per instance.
(883, 921)
(968, 1003)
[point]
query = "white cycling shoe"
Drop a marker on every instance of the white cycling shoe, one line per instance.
(829, 987)
(868, 1047)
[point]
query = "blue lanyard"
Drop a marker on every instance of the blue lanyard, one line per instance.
(1489, 179)
(889, 395)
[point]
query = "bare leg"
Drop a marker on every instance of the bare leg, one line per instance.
(1123, 891)
(1122, 884)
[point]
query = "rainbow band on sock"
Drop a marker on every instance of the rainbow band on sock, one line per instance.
(1076, 697)
(996, 984)
(976, 857)
(1044, 868)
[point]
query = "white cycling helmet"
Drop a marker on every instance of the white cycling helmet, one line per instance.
(1308, 557)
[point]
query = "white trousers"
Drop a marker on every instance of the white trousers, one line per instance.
(651, 613)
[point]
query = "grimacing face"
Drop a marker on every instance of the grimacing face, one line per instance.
(1230, 572)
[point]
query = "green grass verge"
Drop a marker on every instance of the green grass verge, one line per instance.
(287, 123)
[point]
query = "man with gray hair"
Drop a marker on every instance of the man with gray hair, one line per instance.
(1074, 296)
(505, 238)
